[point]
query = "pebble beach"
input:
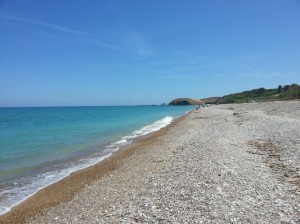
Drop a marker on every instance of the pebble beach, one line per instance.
(233, 163)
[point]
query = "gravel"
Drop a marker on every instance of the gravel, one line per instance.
(221, 164)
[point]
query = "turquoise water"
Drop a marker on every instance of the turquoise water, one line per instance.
(39, 146)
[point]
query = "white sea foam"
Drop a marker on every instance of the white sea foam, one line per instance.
(15, 195)
(140, 132)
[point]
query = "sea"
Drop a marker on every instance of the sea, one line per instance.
(42, 145)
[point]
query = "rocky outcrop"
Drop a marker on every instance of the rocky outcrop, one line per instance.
(185, 101)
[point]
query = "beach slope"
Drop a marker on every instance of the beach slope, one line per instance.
(221, 164)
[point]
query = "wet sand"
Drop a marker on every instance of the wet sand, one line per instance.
(65, 189)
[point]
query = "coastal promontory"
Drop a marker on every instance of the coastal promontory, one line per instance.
(189, 101)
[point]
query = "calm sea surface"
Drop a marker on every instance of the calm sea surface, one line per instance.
(39, 146)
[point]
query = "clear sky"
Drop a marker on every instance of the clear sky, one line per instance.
(116, 52)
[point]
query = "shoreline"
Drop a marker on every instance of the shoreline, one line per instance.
(66, 188)
(235, 163)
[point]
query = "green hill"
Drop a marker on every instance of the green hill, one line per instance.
(189, 101)
(281, 93)
(185, 101)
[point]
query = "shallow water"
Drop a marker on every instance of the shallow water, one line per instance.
(39, 146)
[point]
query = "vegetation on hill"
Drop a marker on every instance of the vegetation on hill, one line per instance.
(185, 101)
(286, 92)
(281, 93)
(189, 101)
(211, 100)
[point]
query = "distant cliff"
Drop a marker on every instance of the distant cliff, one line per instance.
(189, 101)
(185, 101)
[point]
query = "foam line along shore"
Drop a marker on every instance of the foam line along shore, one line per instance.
(23, 185)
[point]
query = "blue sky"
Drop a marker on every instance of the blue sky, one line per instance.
(63, 53)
